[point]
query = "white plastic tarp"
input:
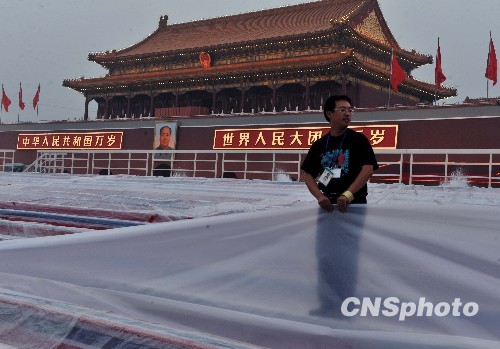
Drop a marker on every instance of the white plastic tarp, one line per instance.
(409, 275)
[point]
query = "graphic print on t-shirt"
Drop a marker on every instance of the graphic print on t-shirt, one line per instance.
(336, 159)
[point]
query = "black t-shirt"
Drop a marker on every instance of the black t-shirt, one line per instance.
(348, 152)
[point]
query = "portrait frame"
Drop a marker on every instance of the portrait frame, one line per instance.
(173, 134)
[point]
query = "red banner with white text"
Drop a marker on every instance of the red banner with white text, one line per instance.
(380, 137)
(70, 141)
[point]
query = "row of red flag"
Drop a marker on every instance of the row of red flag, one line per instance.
(398, 75)
(6, 102)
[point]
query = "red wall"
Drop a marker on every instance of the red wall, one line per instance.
(470, 133)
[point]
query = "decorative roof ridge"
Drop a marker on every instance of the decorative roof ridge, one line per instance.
(254, 12)
(163, 25)
(251, 14)
(348, 17)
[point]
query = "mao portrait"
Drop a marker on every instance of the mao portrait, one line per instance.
(165, 139)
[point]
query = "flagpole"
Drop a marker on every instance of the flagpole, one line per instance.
(487, 80)
(435, 84)
(390, 75)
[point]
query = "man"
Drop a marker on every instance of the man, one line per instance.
(339, 164)
(165, 134)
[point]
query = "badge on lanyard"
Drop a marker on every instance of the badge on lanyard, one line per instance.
(328, 174)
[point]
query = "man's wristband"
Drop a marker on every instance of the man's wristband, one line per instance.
(348, 195)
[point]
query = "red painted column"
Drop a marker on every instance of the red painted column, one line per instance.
(274, 98)
(152, 110)
(129, 106)
(214, 100)
(306, 99)
(86, 115)
(243, 99)
(106, 108)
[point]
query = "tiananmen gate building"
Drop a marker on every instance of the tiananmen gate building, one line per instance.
(288, 58)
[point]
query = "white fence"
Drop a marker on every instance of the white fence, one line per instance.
(430, 166)
(199, 163)
(411, 166)
(7, 160)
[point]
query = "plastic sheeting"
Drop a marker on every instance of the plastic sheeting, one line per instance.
(33, 204)
(33, 323)
(414, 275)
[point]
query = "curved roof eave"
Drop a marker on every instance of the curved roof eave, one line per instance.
(345, 59)
(409, 84)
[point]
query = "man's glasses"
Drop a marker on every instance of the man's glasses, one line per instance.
(344, 110)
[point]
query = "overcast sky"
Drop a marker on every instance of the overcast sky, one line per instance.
(46, 41)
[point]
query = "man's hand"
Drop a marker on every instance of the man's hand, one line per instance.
(325, 203)
(342, 203)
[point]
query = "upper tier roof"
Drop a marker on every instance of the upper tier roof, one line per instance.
(306, 18)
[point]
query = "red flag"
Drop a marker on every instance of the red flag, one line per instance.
(439, 77)
(491, 66)
(5, 100)
(21, 103)
(36, 98)
(398, 75)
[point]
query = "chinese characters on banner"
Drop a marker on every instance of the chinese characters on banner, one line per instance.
(380, 137)
(67, 141)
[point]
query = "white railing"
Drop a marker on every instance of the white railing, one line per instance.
(410, 166)
(477, 166)
(240, 164)
(7, 160)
